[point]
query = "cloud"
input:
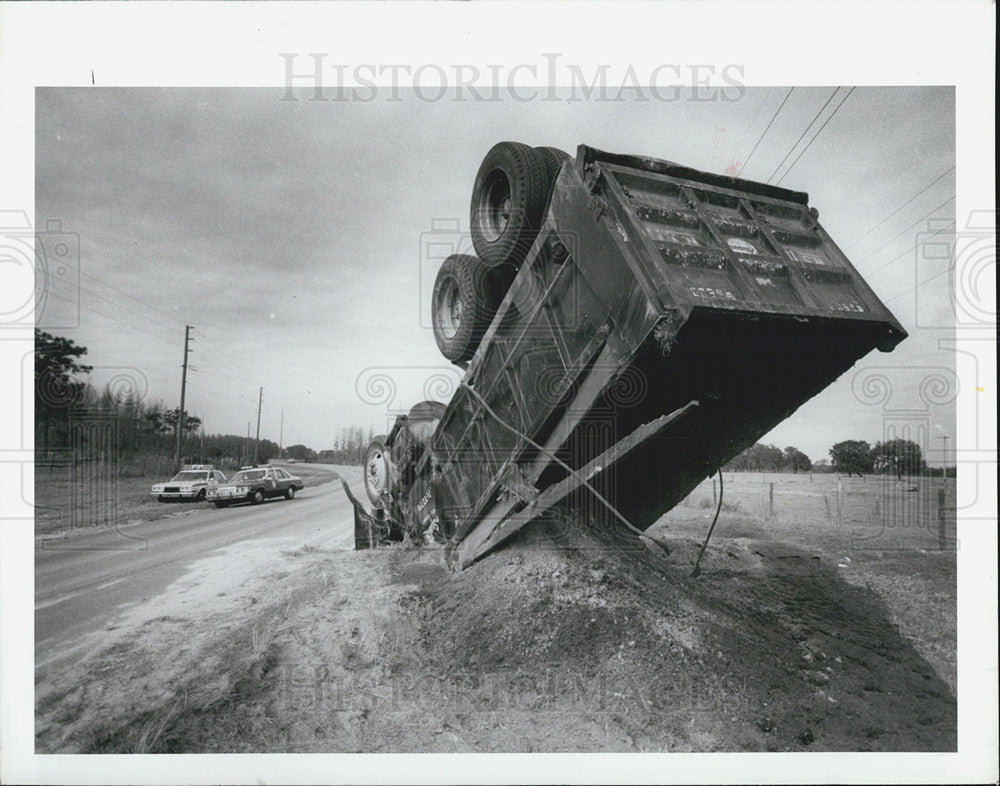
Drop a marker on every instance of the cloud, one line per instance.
(288, 233)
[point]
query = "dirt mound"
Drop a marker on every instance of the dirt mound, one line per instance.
(563, 640)
(768, 650)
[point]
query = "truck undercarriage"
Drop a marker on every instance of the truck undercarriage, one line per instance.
(627, 326)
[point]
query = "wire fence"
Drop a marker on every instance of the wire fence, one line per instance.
(874, 512)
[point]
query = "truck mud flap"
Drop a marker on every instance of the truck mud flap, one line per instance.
(369, 532)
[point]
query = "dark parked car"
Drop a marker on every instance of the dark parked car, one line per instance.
(256, 484)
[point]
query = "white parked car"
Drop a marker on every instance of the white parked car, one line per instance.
(194, 482)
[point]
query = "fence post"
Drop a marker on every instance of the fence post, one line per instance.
(942, 520)
(770, 502)
(840, 503)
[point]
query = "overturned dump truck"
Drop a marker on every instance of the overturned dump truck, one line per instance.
(626, 326)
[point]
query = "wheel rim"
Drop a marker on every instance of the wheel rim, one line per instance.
(450, 309)
(495, 205)
(376, 474)
(291, 493)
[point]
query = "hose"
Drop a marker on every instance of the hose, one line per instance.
(697, 570)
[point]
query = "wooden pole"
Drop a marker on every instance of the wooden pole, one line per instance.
(770, 502)
(840, 503)
(260, 400)
(942, 520)
(180, 416)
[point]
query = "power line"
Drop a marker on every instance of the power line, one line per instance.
(219, 358)
(239, 381)
(217, 355)
(911, 226)
(130, 311)
(761, 138)
(802, 135)
(133, 297)
(109, 316)
(148, 320)
(223, 375)
(205, 389)
(753, 122)
(815, 136)
(907, 250)
(907, 202)
(128, 364)
(915, 288)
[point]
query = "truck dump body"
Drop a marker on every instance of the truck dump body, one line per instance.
(676, 314)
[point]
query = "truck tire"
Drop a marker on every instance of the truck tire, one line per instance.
(378, 471)
(508, 203)
(463, 305)
(553, 158)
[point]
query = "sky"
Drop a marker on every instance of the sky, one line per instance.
(299, 238)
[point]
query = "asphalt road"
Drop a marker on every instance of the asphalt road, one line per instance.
(84, 580)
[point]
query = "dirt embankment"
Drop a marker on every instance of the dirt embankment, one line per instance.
(554, 643)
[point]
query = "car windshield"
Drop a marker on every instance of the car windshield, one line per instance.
(182, 476)
(250, 474)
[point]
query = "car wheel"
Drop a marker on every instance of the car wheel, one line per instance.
(200, 497)
(463, 304)
(221, 503)
(290, 492)
(257, 497)
(159, 498)
(508, 203)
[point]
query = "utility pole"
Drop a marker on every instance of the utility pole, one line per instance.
(246, 449)
(260, 400)
(281, 435)
(944, 463)
(180, 418)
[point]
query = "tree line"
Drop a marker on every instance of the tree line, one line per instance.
(897, 457)
(770, 458)
(142, 433)
(72, 416)
(348, 448)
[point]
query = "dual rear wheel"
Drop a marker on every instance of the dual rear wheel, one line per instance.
(509, 201)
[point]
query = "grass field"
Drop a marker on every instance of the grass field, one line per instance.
(882, 533)
(874, 513)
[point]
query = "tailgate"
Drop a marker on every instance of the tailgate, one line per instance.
(716, 241)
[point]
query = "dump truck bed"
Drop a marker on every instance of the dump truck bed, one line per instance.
(651, 289)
